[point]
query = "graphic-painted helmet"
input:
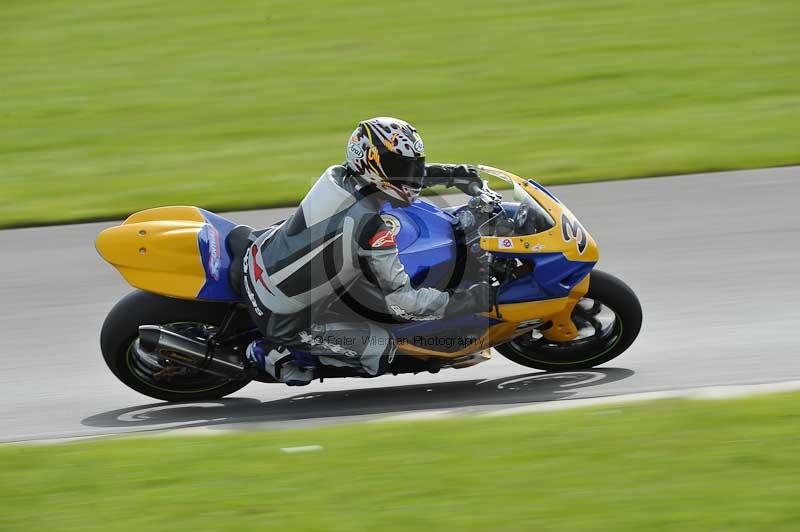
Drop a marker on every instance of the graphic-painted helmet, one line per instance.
(388, 153)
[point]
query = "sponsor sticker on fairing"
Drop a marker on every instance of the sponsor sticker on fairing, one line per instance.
(506, 243)
(214, 257)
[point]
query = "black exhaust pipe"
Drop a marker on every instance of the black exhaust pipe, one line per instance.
(190, 352)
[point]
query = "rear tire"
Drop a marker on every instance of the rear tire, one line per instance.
(613, 294)
(121, 329)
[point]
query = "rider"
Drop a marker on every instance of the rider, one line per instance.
(336, 239)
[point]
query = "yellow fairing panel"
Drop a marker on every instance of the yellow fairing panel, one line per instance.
(157, 250)
(564, 237)
(514, 316)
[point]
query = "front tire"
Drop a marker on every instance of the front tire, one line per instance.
(148, 374)
(607, 294)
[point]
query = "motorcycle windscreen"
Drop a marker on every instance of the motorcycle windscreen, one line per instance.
(532, 218)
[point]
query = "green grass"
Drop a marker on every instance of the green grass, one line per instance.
(109, 106)
(669, 465)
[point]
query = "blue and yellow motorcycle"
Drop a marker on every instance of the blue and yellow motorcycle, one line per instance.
(182, 334)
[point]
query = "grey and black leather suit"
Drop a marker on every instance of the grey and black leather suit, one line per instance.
(294, 271)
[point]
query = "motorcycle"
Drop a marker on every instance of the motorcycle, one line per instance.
(182, 334)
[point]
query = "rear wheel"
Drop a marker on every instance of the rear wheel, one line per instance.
(153, 375)
(608, 319)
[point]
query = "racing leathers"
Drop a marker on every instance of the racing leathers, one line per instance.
(336, 238)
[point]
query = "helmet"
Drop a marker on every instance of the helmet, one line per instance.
(388, 154)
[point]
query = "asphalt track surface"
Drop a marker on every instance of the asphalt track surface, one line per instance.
(714, 259)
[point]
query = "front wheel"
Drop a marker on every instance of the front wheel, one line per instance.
(608, 319)
(148, 373)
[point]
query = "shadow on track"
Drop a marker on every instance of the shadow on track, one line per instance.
(334, 405)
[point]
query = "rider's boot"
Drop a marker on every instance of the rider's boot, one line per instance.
(278, 362)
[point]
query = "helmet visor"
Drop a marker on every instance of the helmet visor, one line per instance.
(401, 170)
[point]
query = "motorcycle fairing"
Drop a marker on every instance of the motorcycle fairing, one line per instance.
(553, 276)
(173, 251)
(216, 259)
(563, 255)
(513, 320)
(567, 236)
(426, 243)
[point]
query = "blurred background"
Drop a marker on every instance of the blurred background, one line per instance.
(112, 106)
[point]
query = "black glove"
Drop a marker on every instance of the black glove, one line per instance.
(464, 176)
(460, 176)
(477, 298)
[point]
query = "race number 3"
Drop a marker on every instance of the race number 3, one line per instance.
(573, 230)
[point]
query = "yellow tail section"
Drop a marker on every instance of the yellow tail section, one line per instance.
(157, 250)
